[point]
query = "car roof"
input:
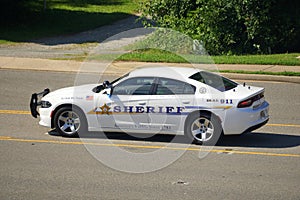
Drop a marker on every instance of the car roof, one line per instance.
(180, 73)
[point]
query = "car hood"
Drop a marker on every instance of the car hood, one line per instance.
(75, 92)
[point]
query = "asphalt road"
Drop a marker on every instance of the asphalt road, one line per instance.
(38, 165)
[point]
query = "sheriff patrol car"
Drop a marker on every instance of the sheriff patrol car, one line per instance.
(169, 100)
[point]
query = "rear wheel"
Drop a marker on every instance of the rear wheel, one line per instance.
(203, 128)
(70, 121)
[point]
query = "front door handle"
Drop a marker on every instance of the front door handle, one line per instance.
(142, 103)
(186, 102)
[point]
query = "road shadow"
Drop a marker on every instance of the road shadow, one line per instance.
(164, 138)
(261, 140)
(60, 27)
(100, 33)
(250, 140)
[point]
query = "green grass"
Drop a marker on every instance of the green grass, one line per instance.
(272, 59)
(61, 17)
(161, 56)
(152, 56)
(285, 73)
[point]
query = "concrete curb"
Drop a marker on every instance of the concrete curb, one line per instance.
(119, 68)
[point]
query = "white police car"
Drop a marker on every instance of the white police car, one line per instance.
(168, 100)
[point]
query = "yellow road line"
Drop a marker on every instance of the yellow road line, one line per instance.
(15, 112)
(5, 138)
(284, 125)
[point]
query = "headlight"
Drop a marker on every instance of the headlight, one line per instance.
(45, 104)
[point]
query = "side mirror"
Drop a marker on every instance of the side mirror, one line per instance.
(108, 91)
(101, 87)
(108, 88)
(106, 84)
(98, 89)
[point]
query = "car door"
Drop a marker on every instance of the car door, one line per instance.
(127, 103)
(170, 99)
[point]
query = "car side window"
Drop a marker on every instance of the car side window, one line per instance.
(134, 86)
(167, 86)
(214, 80)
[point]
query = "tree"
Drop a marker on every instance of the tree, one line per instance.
(232, 26)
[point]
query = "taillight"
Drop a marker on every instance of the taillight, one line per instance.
(51, 114)
(249, 102)
(245, 103)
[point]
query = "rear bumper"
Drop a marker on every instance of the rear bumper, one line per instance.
(256, 126)
(240, 120)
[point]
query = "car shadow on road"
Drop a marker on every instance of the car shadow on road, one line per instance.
(261, 140)
(251, 140)
(164, 138)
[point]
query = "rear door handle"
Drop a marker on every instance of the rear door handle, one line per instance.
(186, 102)
(142, 103)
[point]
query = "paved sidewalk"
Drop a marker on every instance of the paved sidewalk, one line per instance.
(120, 68)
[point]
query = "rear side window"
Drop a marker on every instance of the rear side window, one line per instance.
(167, 86)
(218, 82)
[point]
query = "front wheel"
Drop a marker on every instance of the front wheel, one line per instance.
(203, 128)
(70, 121)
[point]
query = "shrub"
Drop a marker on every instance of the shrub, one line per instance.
(231, 26)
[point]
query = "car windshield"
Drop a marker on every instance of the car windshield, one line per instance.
(116, 80)
(216, 81)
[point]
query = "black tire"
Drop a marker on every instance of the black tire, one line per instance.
(203, 124)
(70, 121)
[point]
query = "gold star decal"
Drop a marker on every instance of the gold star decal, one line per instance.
(105, 109)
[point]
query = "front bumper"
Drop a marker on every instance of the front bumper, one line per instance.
(34, 102)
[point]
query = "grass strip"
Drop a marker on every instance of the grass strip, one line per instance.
(160, 56)
(151, 55)
(285, 73)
